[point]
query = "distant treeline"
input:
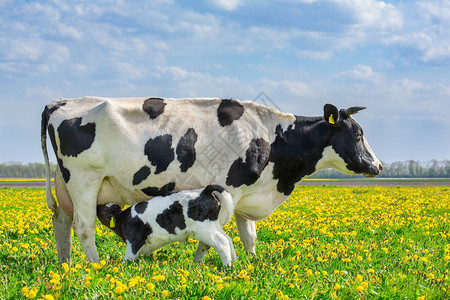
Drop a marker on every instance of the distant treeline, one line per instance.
(18, 170)
(403, 169)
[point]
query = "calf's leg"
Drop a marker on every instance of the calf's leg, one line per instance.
(231, 246)
(219, 242)
(201, 251)
(129, 255)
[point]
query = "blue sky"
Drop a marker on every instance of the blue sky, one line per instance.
(393, 57)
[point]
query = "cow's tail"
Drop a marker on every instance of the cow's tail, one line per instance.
(51, 202)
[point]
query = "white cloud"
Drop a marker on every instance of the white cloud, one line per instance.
(282, 87)
(228, 4)
(374, 14)
(438, 10)
(129, 71)
(427, 39)
(24, 49)
(319, 55)
(360, 72)
(40, 92)
(412, 85)
(298, 1)
(70, 31)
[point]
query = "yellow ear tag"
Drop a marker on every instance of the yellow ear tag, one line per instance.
(331, 119)
(112, 223)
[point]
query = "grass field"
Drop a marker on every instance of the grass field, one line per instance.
(324, 243)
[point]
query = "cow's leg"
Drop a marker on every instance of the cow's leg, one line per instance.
(247, 233)
(201, 251)
(84, 225)
(84, 199)
(62, 219)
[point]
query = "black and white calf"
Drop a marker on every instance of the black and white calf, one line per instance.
(151, 224)
(125, 151)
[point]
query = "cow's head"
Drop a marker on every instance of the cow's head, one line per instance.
(354, 154)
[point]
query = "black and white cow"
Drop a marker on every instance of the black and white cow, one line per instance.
(149, 225)
(127, 150)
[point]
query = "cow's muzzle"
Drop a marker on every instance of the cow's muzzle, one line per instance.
(374, 170)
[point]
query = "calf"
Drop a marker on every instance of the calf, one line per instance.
(151, 224)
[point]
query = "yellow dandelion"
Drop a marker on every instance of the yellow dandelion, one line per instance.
(165, 293)
(32, 293)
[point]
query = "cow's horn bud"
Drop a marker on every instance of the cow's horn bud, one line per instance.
(353, 110)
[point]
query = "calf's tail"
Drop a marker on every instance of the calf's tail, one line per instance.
(111, 216)
(51, 202)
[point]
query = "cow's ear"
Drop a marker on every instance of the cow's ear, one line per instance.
(331, 114)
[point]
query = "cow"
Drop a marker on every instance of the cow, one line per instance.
(149, 225)
(127, 150)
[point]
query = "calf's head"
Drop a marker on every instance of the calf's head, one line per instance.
(346, 139)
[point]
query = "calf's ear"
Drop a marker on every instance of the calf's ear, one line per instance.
(331, 114)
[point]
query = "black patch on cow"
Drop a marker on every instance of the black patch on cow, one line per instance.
(256, 159)
(154, 107)
(296, 151)
(160, 152)
(206, 206)
(47, 113)
(59, 104)
(135, 230)
(163, 191)
(64, 171)
(229, 110)
(141, 207)
(186, 149)
(74, 138)
(141, 175)
(172, 218)
(51, 134)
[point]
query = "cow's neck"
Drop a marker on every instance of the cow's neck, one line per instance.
(296, 150)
